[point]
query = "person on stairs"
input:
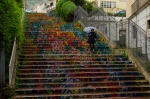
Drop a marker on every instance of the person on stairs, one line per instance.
(91, 39)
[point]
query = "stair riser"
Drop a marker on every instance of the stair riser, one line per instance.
(34, 85)
(86, 90)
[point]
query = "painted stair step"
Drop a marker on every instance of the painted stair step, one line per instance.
(81, 55)
(127, 96)
(72, 74)
(65, 51)
(86, 77)
(68, 70)
(123, 97)
(71, 59)
(100, 94)
(64, 56)
(80, 66)
(76, 71)
(75, 59)
(56, 67)
(123, 82)
(95, 88)
(83, 61)
(72, 62)
(76, 80)
(46, 45)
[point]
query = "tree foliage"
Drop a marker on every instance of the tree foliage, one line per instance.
(88, 6)
(79, 2)
(10, 24)
(65, 9)
(59, 6)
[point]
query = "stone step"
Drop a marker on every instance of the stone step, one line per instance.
(65, 52)
(105, 82)
(70, 74)
(57, 57)
(68, 70)
(133, 77)
(77, 49)
(79, 67)
(89, 94)
(96, 87)
(81, 55)
(72, 62)
(75, 59)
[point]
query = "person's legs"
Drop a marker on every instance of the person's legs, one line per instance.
(93, 45)
(90, 45)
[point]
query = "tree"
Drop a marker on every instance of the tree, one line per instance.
(79, 2)
(65, 9)
(59, 6)
(10, 25)
(88, 6)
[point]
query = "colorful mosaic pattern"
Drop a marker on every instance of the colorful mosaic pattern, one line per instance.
(56, 63)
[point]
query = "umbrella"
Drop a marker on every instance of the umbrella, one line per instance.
(88, 29)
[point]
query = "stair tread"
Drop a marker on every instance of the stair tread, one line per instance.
(62, 54)
(98, 71)
(73, 61)
(90, 65)
(105, 81)
(121, 98)
(80, 58)
(80, 68)
(92, 93)
(133, 76)
(80, 72)
(100, 82)
(87, 87)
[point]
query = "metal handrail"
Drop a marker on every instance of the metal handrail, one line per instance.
(12, 64)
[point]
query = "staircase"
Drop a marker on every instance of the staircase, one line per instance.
(56, 63)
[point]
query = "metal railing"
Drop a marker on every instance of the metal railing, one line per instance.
(139, 44)
(12, 64)
(124, 34)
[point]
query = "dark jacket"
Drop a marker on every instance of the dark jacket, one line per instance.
(92, 37)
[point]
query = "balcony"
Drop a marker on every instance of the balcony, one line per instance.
(138, 4)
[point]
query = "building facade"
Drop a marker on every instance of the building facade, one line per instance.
(41, 6)
(139, 12)
(111, 6)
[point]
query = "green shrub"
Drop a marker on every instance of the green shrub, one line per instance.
(10, 25)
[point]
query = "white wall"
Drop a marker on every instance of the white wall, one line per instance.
(141, 20)
(40, 8)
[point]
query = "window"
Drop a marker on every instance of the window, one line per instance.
(108, 4)
(51, 4)
(148, 24)
(134, 32)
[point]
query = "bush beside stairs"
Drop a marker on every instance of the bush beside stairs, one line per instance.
(56, 63)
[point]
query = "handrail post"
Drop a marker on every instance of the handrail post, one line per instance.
(12, 64)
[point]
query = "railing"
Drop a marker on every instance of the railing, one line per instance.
(123, 34)
(139, 44)
(12, 64)
(138, 4)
